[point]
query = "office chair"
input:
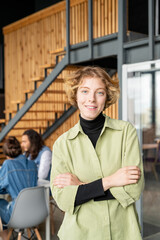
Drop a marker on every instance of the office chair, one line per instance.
(30, 209)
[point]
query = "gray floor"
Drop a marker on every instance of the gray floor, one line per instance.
(151, 206)
(153, 237)
(58, 218)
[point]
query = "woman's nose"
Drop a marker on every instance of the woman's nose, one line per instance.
(91, 97)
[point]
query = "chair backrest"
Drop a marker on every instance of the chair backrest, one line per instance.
(30, 209)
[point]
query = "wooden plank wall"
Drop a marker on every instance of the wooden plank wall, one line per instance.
(28, 43)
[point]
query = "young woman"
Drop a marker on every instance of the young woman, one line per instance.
(35, 149)
(97, 172)
(16, 173)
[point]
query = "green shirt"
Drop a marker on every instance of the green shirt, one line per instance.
(73, 152)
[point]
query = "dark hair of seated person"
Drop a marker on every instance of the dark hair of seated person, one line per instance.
(36, 142)
(12, 147)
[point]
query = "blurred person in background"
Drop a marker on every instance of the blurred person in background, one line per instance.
(34, 149)
(16, 173)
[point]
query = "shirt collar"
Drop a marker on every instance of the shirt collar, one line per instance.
(112, 123)
(109, 123)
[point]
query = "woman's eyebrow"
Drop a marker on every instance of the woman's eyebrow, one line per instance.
(101, 88)
(84, 87)
(90, 88)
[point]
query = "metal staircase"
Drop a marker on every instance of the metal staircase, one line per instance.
(20, 112)
(58, 119)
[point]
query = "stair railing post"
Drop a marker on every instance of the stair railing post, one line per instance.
(151, 24)
(90, 29)
(122, 30)
(68, 30)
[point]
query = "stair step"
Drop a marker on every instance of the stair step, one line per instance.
(41, 79)
(35, 111)
(36, 79)
(2, 156)
(69, 67)
(47, 66)
(43, 111)
(58, 51)
(41, 102)
(2, 121)
(72, 67)
(25, 128)
(54, 102)
(59, 80)
(38, 120)
(17, 101)
(8, 111)
(47, 91)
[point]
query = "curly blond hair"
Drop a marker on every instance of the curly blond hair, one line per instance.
(73, 81)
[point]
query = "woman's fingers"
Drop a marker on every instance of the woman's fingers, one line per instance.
(66, 179)
(132, 170)
(133, 174)
(126, 175)
(62, 179)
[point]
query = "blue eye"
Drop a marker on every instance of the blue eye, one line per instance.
(84, 91)
(100, 93)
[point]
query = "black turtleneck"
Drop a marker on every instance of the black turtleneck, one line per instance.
(93, 128)
(93, 190)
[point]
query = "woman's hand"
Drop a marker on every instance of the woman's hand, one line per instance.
(66, 179)
(124, 176)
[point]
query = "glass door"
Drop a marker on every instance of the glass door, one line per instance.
(141, 106)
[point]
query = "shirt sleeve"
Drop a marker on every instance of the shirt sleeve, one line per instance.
(128, 194)
(45, 164)
(93, 190)
(64, 197)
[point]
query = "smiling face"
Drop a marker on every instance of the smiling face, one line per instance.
(91, 97)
